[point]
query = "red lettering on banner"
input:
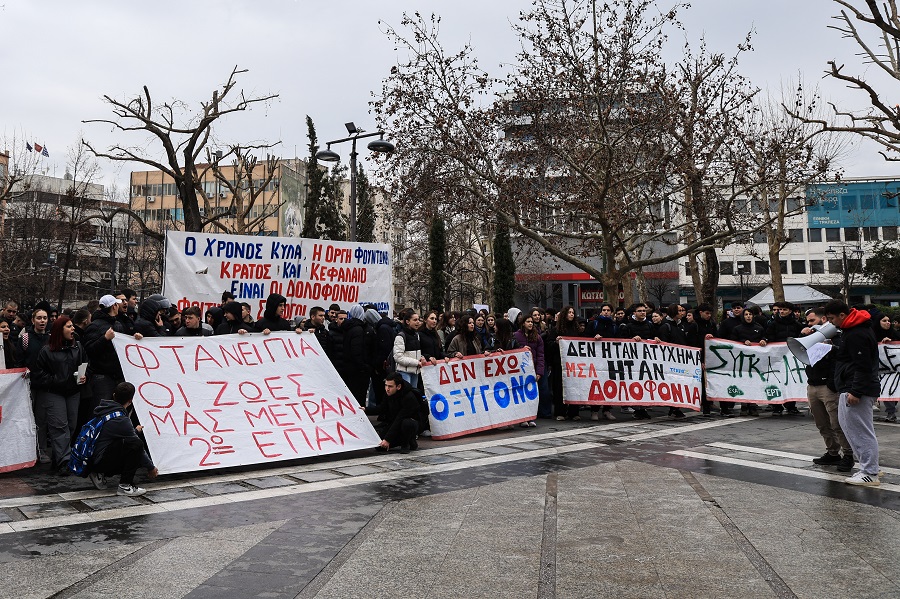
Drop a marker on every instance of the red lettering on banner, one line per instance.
(260, 446)
(305, 347)
(227, 270)
(190, 420)
(340, 428)
(250, 398)
(141, 392)
(277, 415)
(266, 343)
(577, 370)
(456, 372)
(322, 436)
(183, 394)
(175, 349)
(208, 358)
(263, 413)
(156, 420)
(234, 356)
(287, 437)
(349, 404)
(216, 428)
(272, 388)
(293, 378)
(141, 357)
(217, 401)
(246, 353)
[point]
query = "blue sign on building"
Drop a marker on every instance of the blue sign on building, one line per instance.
(854, 204)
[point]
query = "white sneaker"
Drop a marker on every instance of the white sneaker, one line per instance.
(43, 458)
(861, 479)
(426, 433)
(130, 491)
(627, 410)
(99, 479)
(608, 416)
(595, 416)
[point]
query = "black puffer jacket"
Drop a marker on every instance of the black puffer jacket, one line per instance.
(54, 371)
(856, 357)
(101, 353)
(780, 329)
(393, 410)
(30, 345)
(671, 331)
(632, 327)
(270, 319)
(752, 332)
(146, 322)
(430, 344)
(354, 358)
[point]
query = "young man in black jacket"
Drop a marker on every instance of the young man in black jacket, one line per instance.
(823, 403)
(118, 449)
(398, 422)
(859, 385)
(779, 329)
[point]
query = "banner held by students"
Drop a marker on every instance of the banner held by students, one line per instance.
(625, 372)
(480, 393)
(752, 373)
(308, 272)
(18, 443)
(889, 370)
(232, 400)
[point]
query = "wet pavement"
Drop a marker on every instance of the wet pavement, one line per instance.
(661, 508)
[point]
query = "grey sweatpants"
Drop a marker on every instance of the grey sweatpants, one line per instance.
(856, 422)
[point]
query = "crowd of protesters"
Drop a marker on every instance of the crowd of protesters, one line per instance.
(378, 356)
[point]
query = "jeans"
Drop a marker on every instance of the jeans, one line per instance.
(410, 377)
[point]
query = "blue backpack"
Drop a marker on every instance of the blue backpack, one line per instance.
(83, 448)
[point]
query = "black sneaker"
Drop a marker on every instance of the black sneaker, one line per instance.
(676, 413)
(890, 418)
(828, 459)
(846, 463)
(752, 411)
(726, 413)
(794, 412)
(641, 414)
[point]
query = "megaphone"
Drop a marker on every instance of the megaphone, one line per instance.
(801, 346)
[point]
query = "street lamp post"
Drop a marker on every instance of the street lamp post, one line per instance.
(113, 242)
(328, 155)
(741, 272)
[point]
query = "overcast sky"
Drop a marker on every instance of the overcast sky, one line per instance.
(324, 59)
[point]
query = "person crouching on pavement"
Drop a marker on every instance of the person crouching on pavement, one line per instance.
(823, 403)
(398, 422)
(857, 381)
(118, 449)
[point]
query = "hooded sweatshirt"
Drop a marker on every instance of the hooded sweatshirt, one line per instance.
(856, 356)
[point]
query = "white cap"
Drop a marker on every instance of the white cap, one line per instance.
(108, 301)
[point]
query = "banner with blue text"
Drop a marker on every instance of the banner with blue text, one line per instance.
(480, 393)
(232, 400)
(308, 272)
(625, 372)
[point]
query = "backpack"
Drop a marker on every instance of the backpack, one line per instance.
(83, 448)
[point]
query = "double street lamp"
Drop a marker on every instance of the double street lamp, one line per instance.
(380, 145)
(113, 241)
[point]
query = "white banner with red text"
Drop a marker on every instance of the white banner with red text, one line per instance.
(753, 373)
(232, 400)
(480, 393)
(624, 372)
(308, 272)
(18, 442)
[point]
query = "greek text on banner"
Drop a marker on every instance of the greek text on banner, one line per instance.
(231, 400)
(753, 373)
(480, 393)
(308, 272)
(626, 372)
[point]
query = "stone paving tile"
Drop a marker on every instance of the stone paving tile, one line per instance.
(221, 488)
(47, 510)
(361, 470)
(499, 450)
(547, 442)
(270, 482)
(106, 503)
(4, 517)
(400, 464)
(316, 475)
(469, 454)
(528, 446)
(164, 495)
(436, 459)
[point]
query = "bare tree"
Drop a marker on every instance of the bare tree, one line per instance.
(570, 151)
(182, 144)
(782, 156)
(246, 211)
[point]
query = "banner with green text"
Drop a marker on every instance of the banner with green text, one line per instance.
(754, 374)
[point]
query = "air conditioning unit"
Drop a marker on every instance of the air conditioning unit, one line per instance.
(150, 199)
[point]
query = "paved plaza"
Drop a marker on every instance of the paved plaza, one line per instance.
(661, 508)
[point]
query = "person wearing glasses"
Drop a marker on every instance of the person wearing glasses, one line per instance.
(638, 328)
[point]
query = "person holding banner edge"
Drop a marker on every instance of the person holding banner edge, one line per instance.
(857, 380)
